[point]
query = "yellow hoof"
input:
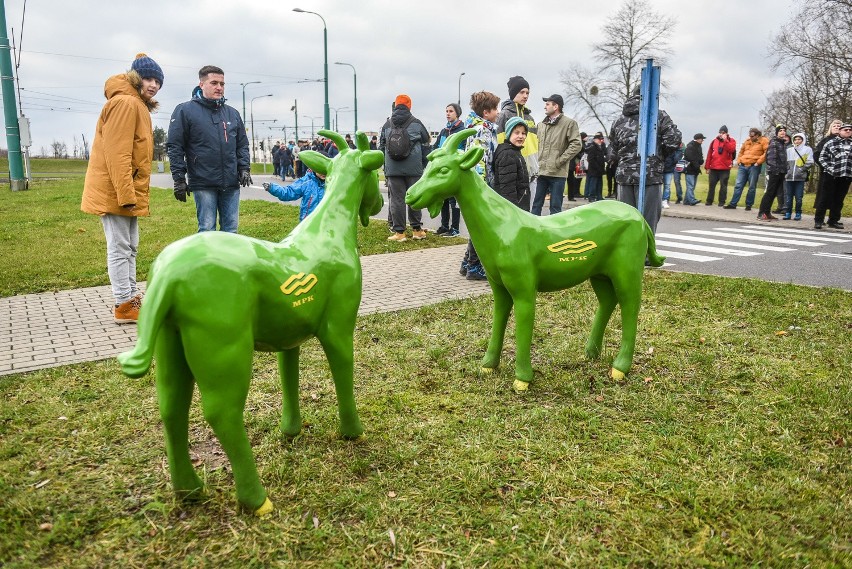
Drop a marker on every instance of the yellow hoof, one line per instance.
(519, 385)
(617, 375)
(486, 370)
(265, 509)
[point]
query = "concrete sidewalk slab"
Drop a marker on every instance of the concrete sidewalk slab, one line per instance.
(58, 328)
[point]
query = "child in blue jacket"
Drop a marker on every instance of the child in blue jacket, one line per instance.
(310, 187)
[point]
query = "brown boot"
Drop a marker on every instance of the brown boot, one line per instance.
(128, 312)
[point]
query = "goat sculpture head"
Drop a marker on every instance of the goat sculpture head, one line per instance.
(442, 177)
(362, 157)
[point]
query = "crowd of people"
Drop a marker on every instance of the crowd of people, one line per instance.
(525, 161)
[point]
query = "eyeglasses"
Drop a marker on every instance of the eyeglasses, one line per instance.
(847, 128)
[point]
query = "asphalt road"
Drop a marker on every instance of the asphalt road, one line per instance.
(783, 252)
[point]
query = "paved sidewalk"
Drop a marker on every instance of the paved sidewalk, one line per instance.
(54, 329)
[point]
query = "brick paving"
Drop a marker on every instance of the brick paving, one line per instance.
(58, 328)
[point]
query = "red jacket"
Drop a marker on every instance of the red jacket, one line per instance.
(720, 155)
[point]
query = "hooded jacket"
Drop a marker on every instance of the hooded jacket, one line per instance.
(309, 188)
(752, 153)
(800, 160)
(721, 154)
(119, 171)
(207, 143)
(511, 179)
(420, 141)
(624, 137)
(511, 109)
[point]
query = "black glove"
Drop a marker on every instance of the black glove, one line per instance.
(245, 178)
(181, 191)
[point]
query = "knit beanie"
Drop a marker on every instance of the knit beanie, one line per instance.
(722, 129)
(512, 123)
(515, 85)
(147, 68)
(779, 128)
(456, 108)
(402, 99)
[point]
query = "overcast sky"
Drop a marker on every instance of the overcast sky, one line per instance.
(718, 75)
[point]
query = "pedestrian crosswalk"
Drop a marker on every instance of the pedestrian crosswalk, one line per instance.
(706, 245)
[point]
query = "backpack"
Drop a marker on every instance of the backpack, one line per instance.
(399, 144)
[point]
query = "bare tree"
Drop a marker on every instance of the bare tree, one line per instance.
(635, 33)
(817, 34)
(60, 149)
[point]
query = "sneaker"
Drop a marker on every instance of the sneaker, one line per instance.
(441, 230)
(777, 211)
(765, 217)
(128, 312)
(451, 233)
(678, 202)
(748, 208)
(418, 234)
(817, 225)
(730, 206)
(786, 217)
(798, 217)
(476, 273)
(835, 224)
(463, 269)
(398, 237)
(665, 204)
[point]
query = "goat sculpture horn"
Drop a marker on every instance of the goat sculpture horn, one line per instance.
(452, 143)
(338, 140)
(361, 141)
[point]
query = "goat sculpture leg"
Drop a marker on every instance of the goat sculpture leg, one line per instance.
(524, 324)
(223, 374)
(288, 369)
(628, 290)
(174, 393)
(338, 347)
(499, 319)
(606, 305)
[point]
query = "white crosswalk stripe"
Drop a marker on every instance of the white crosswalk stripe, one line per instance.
(744, 241)
(737, 234)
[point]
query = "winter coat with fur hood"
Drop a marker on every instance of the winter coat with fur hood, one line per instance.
(119, 170)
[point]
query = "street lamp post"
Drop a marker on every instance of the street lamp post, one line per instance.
(325, 61)
(244, 95)
(337, 110)
(460, 76)
(251, 107)
(355, 81)
(295, 109)
(312, 124)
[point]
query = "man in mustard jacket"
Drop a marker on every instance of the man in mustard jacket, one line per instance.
(751, 158)
(119, 174)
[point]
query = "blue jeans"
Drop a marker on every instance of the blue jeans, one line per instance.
(209, 203)
(594, 188)
(750, 173)
(549, 185)
(667, 185)
(795, 188)
(689, 198)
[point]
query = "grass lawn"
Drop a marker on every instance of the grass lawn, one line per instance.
(727, 446)
(49, 244)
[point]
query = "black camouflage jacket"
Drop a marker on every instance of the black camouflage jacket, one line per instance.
(624, 136)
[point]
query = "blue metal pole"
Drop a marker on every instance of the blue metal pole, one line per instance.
(649, 110)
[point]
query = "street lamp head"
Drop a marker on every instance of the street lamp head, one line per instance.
(298, 10)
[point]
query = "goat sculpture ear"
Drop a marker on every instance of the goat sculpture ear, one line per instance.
(471, 158)
(316, 161)
(371, 159)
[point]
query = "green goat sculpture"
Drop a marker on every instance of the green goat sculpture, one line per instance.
(214, 298)
(605, 242)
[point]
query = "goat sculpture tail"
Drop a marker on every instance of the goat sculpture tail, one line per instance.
(137, 361)
(654, 258)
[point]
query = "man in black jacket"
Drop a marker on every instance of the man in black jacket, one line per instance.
(207, 144)
(776, 169)
(694, 157)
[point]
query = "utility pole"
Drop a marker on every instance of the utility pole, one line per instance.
(13, 132)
